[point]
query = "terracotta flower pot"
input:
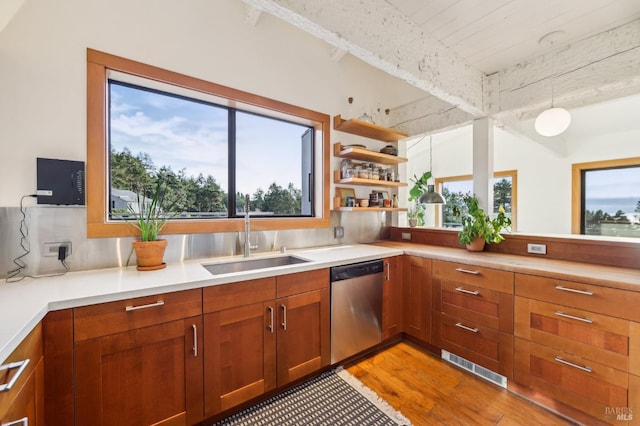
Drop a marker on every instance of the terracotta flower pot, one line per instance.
(413, 223)
(150, 254)
(476, 245)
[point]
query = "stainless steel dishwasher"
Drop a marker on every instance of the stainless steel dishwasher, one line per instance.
(356, 308)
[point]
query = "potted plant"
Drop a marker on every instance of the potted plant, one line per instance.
(150, 218)
(417, 210)
(477, 227)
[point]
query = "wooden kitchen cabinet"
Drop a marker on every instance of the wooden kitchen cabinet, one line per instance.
(262, 334)
(304, 326)
(240, 343)
(22, 383)
(473, 314)
(392, 297)
(417, 297)
(139, 361)
(572, 347)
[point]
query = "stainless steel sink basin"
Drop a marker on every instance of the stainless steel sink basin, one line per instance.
(251, 264)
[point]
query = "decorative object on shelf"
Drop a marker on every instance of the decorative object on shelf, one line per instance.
(394, 202)
(345, 193)
(390, 150)
(477, 227)
(150, 219)
(366, 118)
(552, 121)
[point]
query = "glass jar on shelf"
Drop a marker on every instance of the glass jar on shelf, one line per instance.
(345, 168)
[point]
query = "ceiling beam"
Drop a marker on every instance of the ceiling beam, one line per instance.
(381, 36)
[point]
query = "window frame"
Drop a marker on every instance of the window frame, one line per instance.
(577, 195)
(100, 64)
(513, 174)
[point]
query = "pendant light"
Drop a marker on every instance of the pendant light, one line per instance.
(431, 196)
(552, 121)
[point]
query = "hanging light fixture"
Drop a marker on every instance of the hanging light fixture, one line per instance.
(431, 196)
(552, 121)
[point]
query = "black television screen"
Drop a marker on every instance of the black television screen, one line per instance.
(63, 178)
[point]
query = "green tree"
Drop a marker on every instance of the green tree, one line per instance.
(502, 191)
(281, 201)
(638, 207)
(129, 172)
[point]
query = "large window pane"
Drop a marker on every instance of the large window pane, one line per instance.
(269, 164)
(611, 202)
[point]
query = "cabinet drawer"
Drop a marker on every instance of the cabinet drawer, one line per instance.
(302, 282)
(480, 305)
(493, 279)
(586, 385)
(18, 368)
(485, 346)
(592, 336)
(114, 317)
(603, 300)
(219, 297)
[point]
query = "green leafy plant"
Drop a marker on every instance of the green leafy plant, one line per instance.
(153, 214)
(417, 210)
(477, 224)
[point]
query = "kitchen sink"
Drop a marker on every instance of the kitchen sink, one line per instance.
(251, 264)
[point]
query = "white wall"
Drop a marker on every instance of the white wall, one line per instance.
(544, 170)
(43, 71)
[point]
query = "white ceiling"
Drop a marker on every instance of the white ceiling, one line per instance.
(492, 35)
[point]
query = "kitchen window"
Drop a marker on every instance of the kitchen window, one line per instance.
(606, 198)
(505, 184)
(213, 144)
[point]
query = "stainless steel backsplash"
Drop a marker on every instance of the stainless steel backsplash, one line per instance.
(45, 224)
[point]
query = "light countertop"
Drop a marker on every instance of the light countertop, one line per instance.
(24, 304)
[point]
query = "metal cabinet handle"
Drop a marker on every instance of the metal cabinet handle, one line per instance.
(464, 327)
(22, 422)
(562, 314)
(284, 317)
(195, 340)
(20, 365)
(573, 290)
(388, 265)
(472, 292)
(468, 271)
(150, 305)
(570, 364)
(270, 309)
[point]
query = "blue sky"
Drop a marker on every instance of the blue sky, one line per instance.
(192, 135)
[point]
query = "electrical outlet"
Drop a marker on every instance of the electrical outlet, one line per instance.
(51, 249)
(537, 248)
(406, 235)
(338, 232)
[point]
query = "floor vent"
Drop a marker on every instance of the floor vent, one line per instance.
(474, 368)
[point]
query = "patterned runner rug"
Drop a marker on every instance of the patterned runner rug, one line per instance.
(334, 398)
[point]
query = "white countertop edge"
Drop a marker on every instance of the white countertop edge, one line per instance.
(24, 304)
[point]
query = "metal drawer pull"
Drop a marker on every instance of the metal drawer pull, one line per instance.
(22, 422)
(150, 305)
(562, 314)
(270, 309)
(284, 317)
(472, 292)
(468, 271)
(195, 340)
(464, 327)
(388, 265)
(570, 364)
(573, 290)
(20, 365)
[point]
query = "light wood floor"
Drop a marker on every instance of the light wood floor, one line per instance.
(429, 391)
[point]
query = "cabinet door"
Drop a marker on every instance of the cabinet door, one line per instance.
(392, 297)
(303, 335)
(417, 297)
(25, 408)
(240, 355)
(146, 376)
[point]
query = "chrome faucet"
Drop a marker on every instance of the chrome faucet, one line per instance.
(247, 228)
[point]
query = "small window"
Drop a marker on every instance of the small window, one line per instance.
(453, 188)
(607, 196)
